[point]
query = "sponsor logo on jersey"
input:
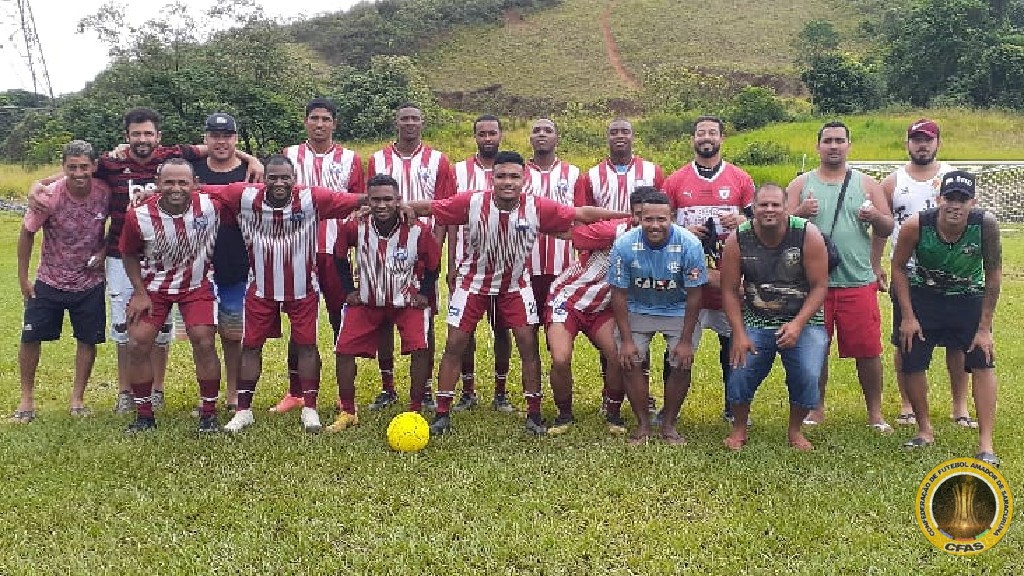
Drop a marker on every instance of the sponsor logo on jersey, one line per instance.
(656, 284)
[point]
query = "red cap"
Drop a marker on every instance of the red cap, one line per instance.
(923, 126)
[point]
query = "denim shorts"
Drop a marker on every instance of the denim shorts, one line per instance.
(802, 362)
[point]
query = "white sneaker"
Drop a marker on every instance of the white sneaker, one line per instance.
(310, 420)
(240, 420)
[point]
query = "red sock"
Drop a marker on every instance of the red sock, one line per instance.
(444, 402)
(246, 390)
(310, 390)
(208, 391)
(532, 402)
(468, 383)
(565, 406)
(499, 384)
(142, 392)
(347, 401)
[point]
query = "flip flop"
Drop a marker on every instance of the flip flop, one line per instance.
(907, 419)
(80, 411)
(674, 439)
(966, 422)
(881, 428)
(22, 416)
(810, 422)
(988, 458)
(638, 440)
(917, 442)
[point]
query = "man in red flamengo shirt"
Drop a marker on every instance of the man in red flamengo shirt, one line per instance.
(132, 175)
(321, 162)
(167, 248)
(501, 228)
(610, 184)
(398, 265)
(279, 222)
(711, 198)
(422, 173)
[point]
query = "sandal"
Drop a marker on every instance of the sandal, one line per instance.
(917, 442)
(966, 422)
(881, 428)
(80, 411)
(907, 419)
(22, 416)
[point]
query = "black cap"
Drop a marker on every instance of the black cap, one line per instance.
(958, 181)
(221, 122)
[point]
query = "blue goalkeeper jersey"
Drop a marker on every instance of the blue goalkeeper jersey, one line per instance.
(657, 277)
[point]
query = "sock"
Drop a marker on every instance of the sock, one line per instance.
(208, 392)
(387, 381)
(294, 384)
(615, 398)
(143, 392)
(347, 400)
(565, 406)
(532, 402)
(499, 384)
(468, 383)
(310, 390)
(444, 402)
(246, 390)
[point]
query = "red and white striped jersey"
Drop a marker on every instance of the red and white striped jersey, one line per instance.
(282, 241)
(338, 169)
(606, 188)
(470, 175)
(552, 255)
(391, 266)
(424, 175)
(584, 285)
(499, 242)
(175, 251)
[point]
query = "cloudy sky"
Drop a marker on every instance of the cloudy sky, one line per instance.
(73, 59)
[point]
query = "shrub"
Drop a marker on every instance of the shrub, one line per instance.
(762, 153)
(755, 107)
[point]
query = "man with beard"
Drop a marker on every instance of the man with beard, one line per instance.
(843, 204)
(321, 162)
(167, 247)
(500, 229)
(476, 174)
(421, 174)
(947, 297)
(907, 191)
(711, 198)
(780, 266)
(279, 222)
(609, 185)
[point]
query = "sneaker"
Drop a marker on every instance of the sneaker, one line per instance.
(287, 404)
(428, 402)
(561, 425)
(141, 424)
(501, 404)
(442, 424)
(125, 403)
(208, 425)
(383, 400)
(344, 421)
(535, 425)
(157, 399)
(466, 402)
(652, 406)
(310, 420)
(240, 420)
(616, 425)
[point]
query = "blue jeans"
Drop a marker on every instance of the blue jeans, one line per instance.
(803, 364)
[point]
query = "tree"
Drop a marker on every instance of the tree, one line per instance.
(840, 84)
(817, 38)
(754, 107)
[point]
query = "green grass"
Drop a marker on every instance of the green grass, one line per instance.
(15, 179)
(82, 499)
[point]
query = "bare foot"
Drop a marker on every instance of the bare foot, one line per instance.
(672, 437)
(735, 441)
(799, 443)
(637, 439)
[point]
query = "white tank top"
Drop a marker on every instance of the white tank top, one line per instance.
(912, 196)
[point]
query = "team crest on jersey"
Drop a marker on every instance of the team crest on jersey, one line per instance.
(563, 186)
(522, 225)
(424, 174)
(336, 171)
(723, 193)
(401, 255)
(791, 257)
(674, 268)
(296, 217)
(200, 223)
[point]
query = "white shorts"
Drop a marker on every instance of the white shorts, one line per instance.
(120, 290)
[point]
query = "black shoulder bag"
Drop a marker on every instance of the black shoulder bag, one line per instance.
(830, 247)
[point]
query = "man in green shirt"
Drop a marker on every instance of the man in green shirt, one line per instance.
(948, 299)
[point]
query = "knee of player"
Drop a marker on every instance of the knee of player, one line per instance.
(140, 346)
(202, 338)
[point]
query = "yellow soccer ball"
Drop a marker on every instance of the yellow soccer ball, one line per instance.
(408, 432)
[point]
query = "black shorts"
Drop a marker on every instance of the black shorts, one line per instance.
(44, 314)
(947, 322)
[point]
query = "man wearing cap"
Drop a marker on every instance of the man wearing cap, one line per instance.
(907, 191)
(230, 259)
(947, 298)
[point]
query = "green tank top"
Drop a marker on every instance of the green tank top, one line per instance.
(774, 283)
(851, 236)
(952, 269)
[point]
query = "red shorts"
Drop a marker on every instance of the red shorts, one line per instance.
(854, 316)
(263, 319)
(330, 284)
(575, 321)
(361, 326)
(198, 307)
(514, 309)
(541, 289)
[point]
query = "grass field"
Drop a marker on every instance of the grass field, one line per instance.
(82, 499)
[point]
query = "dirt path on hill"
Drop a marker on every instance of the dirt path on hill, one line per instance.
(613, 51)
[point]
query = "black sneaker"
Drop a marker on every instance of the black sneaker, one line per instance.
(442, 424)
(652, 406)
(141, 424)
(208, 424)
(501, 404)
(466, 402)
(616, 425)
(383, 400)
(428, 402)
(561, 425)
(535, 425)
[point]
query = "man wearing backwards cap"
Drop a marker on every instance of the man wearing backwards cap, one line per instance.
(948, 299)
(907, 191)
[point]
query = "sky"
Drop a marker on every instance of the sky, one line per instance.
(74, 59)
